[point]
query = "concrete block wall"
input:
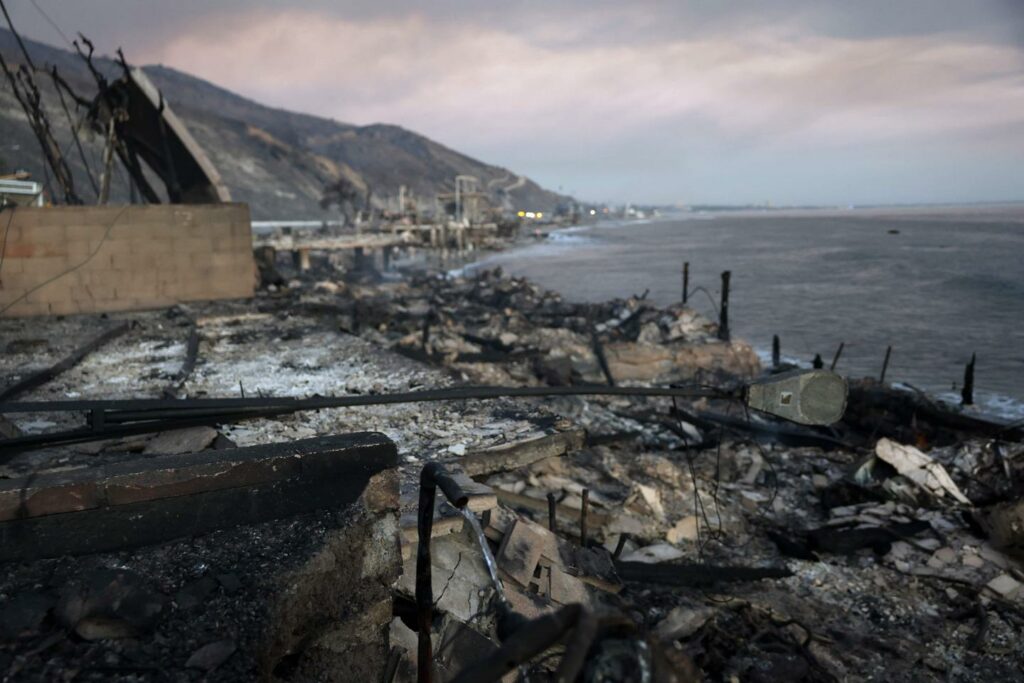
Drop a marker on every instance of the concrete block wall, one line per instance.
(87, 259)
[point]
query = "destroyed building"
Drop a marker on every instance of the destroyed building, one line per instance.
(215, 467)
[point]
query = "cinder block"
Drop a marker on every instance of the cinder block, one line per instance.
(43, 268)
(19, 250)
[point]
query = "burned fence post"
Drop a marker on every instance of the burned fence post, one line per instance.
(602, 359)
(723, 311)
(776, 352)
(686, 281)
(835, 358)
(967, 393)
(885, 364)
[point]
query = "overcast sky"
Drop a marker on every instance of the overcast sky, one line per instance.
(792, 102)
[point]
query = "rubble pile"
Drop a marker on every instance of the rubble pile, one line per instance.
(638, 538)
(498, 330)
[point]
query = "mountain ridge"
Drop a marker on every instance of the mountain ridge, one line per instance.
(277, 160)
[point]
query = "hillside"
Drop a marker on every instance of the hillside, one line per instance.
(276, 160)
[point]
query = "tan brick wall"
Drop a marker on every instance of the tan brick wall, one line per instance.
(86, 259)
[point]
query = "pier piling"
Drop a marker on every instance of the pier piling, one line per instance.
(686, 281)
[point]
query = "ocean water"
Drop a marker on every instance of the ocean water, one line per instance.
(936, 285)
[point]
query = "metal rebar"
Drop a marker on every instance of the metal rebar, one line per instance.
(432, 477)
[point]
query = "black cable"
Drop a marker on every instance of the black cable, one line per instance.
(51, 22)
(192, 407)
(72, 268)
(7, 229)
(156, 415)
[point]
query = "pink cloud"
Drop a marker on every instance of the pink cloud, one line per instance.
(465, 83)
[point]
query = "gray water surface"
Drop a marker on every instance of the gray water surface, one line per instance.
(941, 288)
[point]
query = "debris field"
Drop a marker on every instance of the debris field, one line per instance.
(701, 540)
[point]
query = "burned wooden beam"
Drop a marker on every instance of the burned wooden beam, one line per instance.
(695, 575)
(41, 377)
(141, 502)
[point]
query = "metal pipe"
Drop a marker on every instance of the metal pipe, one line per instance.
(432, 476)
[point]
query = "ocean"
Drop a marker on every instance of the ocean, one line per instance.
(937, 285)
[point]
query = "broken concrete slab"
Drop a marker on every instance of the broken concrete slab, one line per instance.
(178, 441)
(683, 621)
(516, 455)
(919, 468)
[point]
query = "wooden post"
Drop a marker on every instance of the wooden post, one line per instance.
(300, 259)
(552, 507)
(723, 311)
(967, 393)
(885, 364)
(583, 518)
(686, 281)
(835, 358)
(776, 353)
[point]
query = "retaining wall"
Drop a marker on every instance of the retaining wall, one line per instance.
(87, 259)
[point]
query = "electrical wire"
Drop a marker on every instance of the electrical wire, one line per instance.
(51, 22)
(7, 229)
(70, 270)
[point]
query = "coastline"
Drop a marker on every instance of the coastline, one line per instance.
(542, 260)
(764, 513)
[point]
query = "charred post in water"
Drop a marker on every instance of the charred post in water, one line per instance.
(967, 392)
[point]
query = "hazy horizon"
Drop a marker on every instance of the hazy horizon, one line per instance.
(907, 102)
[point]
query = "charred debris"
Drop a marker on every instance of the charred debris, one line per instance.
(361, 476)
(613, 537)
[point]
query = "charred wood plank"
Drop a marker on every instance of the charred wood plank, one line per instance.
(41, 377)
(143, 502)
(695, 575)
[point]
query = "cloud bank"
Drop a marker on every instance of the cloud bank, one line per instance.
(651, 102)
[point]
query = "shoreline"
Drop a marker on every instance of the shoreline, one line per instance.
(762, 512)
(991, 403)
